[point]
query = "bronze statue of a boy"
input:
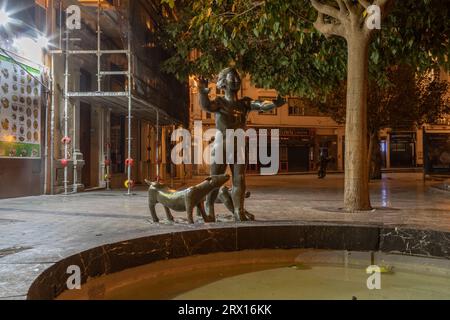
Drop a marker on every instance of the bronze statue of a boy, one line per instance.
(230, 113)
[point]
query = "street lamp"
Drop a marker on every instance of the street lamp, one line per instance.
(4, 18)
(43, 42)
(30, 48)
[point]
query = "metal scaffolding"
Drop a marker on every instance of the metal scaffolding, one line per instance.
(99, 52)
(140, 98)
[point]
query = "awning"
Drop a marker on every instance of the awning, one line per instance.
(437, 131)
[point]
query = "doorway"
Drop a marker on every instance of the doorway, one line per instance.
(298, 158)
(402, 150)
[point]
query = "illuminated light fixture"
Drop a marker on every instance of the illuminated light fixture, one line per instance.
(43, 42)
(4, 18)
(28, 48)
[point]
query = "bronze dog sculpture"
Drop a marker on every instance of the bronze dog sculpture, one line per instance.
(183, 200)
(224, 197)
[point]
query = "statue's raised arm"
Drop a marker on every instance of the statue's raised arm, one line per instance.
(203, 90)
(265, 106)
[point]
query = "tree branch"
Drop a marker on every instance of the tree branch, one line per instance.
(343, 11)
(364, 3)
(301, 17)
(328, 29)
(354, 12)
(325, 9)
(350, 8)
(230, 14)
(341, 5)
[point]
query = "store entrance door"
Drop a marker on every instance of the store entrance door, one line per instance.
(402, 150)
(298, 158)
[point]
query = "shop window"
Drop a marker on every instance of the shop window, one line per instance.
(398, 147)
(295, 107)
(117, 144)
(299, 107)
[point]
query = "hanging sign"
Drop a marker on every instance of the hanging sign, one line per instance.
(20, 110)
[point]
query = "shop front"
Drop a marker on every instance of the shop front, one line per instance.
(402, 149)
(436, 152)
(298, 145)
(21, 131)
(296, 150)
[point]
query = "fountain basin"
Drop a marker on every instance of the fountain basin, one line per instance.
(249, 244)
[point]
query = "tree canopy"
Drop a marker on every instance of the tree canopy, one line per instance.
(409, 100)
(275, 41)
(308, 47)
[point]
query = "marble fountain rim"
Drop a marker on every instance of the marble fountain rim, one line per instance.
(214, 238)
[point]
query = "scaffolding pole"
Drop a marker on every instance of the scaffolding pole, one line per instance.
(66, 113)
(157, 146)
(52, 126)
(99, 55)
(130, 162)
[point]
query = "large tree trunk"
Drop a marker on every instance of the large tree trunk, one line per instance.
(356, 195)
(374, 157)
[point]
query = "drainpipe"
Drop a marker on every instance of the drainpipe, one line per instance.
(47, 102)
(52, 125)
(157, 146)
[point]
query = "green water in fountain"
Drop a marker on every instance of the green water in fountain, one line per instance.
(322, 282)
(273, 274)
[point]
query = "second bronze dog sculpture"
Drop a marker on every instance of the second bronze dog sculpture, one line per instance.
(183, 200)
(224, 197)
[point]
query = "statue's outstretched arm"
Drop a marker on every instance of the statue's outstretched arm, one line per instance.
(205, 103)
(265, 106)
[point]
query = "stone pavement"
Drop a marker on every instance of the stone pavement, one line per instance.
(35, 232)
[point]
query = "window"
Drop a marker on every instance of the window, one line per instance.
(300, 107)
(117, 144)
(85, 81)
(295, 107)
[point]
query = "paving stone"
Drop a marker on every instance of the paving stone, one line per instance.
(54, 227)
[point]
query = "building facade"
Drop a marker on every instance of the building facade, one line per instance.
(79, 136)
(305, 133)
